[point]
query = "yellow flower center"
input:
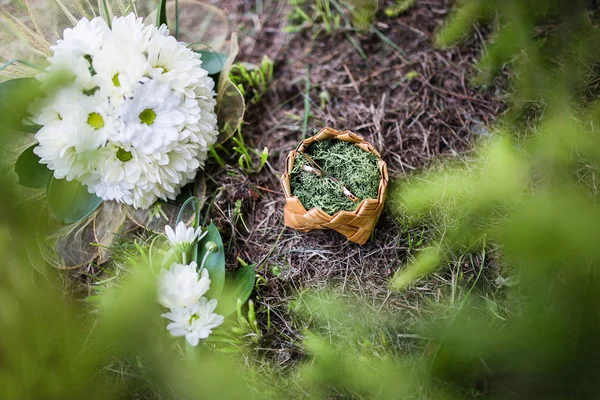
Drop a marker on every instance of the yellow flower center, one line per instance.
(96, 121)
(148, 116)
(124, 155)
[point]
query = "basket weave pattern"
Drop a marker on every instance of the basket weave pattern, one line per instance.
(357, 225)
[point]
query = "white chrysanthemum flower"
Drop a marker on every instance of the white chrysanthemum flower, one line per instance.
(196, 322)
(55, 149)
(136, 121)
(183, 237)
(113, 191)
(132, 32)
(117, 77)
(152, 117)
(85, 38)
(173, 65)
(181, 286)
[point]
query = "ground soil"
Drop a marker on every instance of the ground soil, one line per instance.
(436, 114)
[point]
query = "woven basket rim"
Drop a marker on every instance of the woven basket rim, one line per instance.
(381, 164)
(337, 213)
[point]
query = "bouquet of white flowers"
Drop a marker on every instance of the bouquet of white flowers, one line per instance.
(136, 117)
(121, 110)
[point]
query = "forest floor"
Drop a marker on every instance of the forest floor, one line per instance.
(390, 84)
(411, 100)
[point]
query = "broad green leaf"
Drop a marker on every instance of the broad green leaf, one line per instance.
(212, 62)
(215, 262)
(15, 97)
(70, 201)
(31, 173)
(237, 287)
(161, 13)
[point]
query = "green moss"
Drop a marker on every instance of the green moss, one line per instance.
(353, 167)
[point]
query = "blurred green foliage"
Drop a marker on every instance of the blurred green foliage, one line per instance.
(550, 46)
(53, 346)
(399, 7)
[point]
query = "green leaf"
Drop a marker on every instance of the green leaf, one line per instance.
(215, 262)
(70, 201)
(161, 13)
(107, 13)
(31, 173)
(238, 287)
(177, 19)
(264, 157)
(15, 97)
(212, 62)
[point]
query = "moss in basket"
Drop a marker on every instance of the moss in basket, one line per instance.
(353, 167)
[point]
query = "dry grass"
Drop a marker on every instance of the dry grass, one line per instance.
(415, 105)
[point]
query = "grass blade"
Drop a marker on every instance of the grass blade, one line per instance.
(161, 13)
(176, 19)
(306, 104)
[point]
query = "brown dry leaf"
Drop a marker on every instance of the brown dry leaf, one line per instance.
(200, 188)
(231, 105)
(87, 241)
(107, 225)
(230, 110)
(72, 245)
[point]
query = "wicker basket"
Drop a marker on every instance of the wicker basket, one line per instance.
(357, 225)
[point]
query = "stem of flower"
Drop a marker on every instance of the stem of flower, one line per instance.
(184, 258)
(196, 226)
(190, 351)
(204, 259)
(196, 206)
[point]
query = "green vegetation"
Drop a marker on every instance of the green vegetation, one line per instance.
(345, 166)
(252, 80)
(399, 7)
(319, 15)
(331, 16)
(249, 160)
